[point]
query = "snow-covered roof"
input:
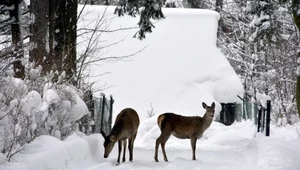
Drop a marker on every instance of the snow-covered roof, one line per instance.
(180, 68)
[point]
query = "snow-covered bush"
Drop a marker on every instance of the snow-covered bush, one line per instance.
(26, 114)
(64, 107)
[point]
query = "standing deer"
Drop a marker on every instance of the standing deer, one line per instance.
(125, 127)
(183, 127)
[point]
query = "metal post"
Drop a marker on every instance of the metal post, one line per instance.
(102, 111)
(110, 112)
(92, 109)
(259, 119)
(263, 118)
(268, 118)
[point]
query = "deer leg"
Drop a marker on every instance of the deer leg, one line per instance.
(193, 143)
(163, 147)
(158, 141)
(156, 149)
(130, 147)
(120, 150)
(162, 139)
(124, 150)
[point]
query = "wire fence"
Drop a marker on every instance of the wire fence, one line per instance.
(100, 117)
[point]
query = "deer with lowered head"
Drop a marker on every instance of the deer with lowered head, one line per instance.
(183, 127)
(125, 127)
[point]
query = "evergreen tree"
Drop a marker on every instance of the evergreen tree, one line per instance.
(261, 36)
(295, 6)
(39, 35)
(150, 9)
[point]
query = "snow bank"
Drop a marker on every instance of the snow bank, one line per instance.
(274, 153)
(217, 136)
(288, 132)
(46, 152)
(235, 147)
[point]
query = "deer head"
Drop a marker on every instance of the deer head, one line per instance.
(210, 110)
(109, 142)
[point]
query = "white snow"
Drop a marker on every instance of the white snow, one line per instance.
(180, 68)
(78, 110)
(263, 98)
(183, 69)
(13, 88)
(31, 103)
(222, 147)
(51, 96)
(27, 2)
(156, 6)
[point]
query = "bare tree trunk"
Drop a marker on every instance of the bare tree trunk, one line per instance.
(70, 61)
(65, 35)
(54, 36)
(39, 40)
(52, 13)
(17, 39)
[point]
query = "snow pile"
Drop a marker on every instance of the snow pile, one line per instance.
(180, 68)
(47, 152)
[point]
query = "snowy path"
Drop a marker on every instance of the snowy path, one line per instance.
(243, 158)
(232, 159)
(235, 147)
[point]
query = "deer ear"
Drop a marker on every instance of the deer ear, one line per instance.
(204, 105)
(112, 138)
(213, 105)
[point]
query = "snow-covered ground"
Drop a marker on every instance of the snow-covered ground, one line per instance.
(222, 147)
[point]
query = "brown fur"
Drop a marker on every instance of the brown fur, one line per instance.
(125, 127)
(183, 127)
(160, 119)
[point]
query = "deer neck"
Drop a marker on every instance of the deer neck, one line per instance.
(207, 120)
(116, 132)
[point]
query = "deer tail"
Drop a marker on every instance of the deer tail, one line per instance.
(160, 119)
